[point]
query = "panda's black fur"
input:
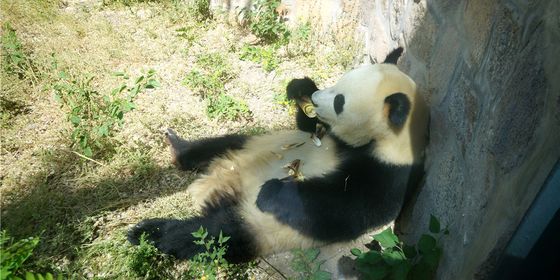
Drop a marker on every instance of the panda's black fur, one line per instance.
(357, 193)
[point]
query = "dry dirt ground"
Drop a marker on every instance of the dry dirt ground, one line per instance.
(81, 209)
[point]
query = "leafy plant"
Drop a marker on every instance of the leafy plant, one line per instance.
(14, 60)
(210, 77)
(38, 276)
(200, 9)
(209, 81)
(95, 116)
(147, 262)
(226, 107)
(209, 264)
(14, 254)
(266, 56)
(266, 23)
(396, 260)
(305, 263)
(190, 33)
(301, 41)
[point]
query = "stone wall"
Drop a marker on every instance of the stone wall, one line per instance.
(491, 72)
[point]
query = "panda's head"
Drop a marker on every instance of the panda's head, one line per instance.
(376, 104)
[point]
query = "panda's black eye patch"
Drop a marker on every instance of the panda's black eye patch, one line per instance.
(338, 103)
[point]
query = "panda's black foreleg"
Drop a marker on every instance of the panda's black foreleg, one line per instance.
(296, 90)
(197, 154)
(174, 237)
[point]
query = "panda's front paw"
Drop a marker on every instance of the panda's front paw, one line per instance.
(267, 198)
(281, 198)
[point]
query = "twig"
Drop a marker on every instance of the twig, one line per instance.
(85, 157)
(275, 269)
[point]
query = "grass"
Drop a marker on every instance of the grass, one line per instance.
(80, 208)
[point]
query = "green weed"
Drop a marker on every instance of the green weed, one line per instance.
(17, 72)
(266, 24)
(209, 82)
(209, 264)
(95, 116)
(301, 40)
(305, 263)
(190, 33)
(210, 77)
(396, 260)
(200, 10)
(147, 262)
(226, 107)
(265, 55)
(14, 254)
(14, 59)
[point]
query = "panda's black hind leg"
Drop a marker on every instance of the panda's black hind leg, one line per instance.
(174, 237)
(197, 154)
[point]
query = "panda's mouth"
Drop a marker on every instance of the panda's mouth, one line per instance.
(323, 119)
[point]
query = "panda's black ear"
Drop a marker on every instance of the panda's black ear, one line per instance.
(397, 107)
(298, 88)
(393, 57)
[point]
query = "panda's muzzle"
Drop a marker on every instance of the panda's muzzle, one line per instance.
(313, 101)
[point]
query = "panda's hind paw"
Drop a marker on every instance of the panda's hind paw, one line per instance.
(150, 229)
(176, 145)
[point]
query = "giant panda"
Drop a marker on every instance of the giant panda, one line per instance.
(353, 181)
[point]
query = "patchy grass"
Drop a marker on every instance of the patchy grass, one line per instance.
(81, 207)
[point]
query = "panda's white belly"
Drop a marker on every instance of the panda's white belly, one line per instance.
(241, 174)
(265, 157)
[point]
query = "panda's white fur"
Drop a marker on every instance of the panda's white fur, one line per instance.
(240, 174)
(368, 86)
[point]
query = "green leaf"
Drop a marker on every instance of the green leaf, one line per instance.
(49, 276)
(62, 75)
(373, 272)
(409, 251)
(75, 120)
(29, 276)
(139, 79)
(434, 225)
(400, 271)
(356, 252)
(421, 271)
(311, 254)
(321, 275)
(119, 74)
(57, 98)
(426, 243)
(152, 84)
(387, 239)
(432, 258)
(371, 257)
(103, 130)
(393, 257)
(88, 152)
